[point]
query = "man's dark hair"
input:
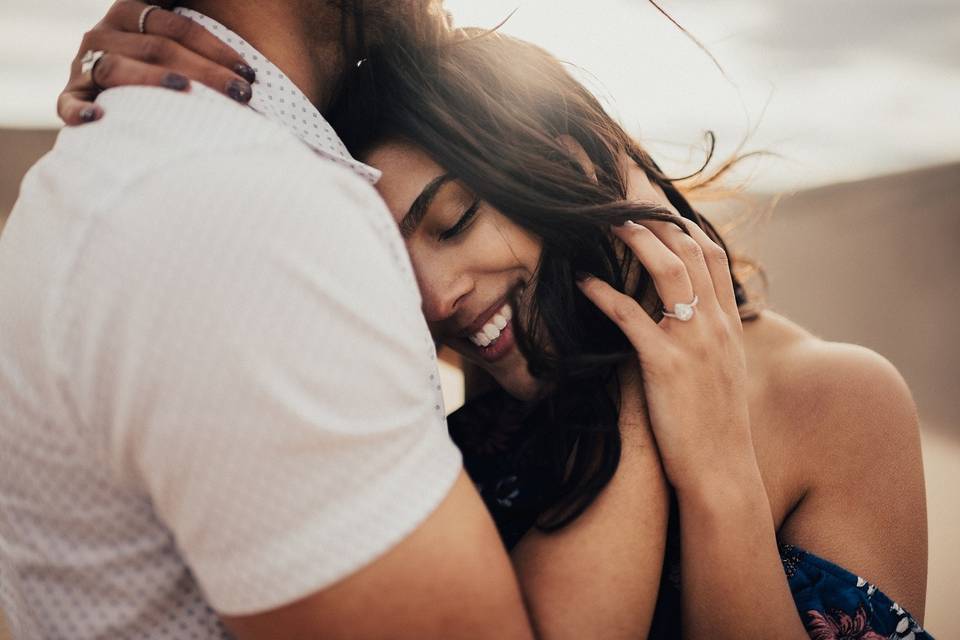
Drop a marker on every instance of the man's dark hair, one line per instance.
(368, 25)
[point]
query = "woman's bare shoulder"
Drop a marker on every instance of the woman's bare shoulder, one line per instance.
(842, 419)
(845, 389)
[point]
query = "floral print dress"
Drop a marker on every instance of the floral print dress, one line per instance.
(833, 603)
(837, 605)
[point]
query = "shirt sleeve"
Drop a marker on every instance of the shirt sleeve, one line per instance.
(247, 330)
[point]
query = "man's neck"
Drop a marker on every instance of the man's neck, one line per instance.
(305, 47)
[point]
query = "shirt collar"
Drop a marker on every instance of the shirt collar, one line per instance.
(276, 97)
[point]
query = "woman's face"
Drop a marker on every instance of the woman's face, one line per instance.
(468, 258)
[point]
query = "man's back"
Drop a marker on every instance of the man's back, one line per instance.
(194, 308)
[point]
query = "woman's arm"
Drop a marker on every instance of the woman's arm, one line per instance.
(694, 374)
(598, 577)
(733, 579)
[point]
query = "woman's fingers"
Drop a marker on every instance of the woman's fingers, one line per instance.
(76, 106)
(169, 66)
(639, 328)
(670, 274)
(690, 252)
(196, 39)
(719, 265)
(173, 50)
(115, 70)
(173, 57)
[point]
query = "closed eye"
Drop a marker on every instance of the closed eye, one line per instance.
(462, 223)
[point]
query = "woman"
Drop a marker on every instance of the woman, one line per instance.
(517, 196)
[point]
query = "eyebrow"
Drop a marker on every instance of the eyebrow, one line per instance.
(419, 207)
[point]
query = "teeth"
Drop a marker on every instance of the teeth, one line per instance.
(492, 330)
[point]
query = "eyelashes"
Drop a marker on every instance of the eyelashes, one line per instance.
(463, 222)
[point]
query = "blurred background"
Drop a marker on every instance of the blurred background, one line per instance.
(855, 214)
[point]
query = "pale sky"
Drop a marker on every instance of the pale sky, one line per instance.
(841, 89)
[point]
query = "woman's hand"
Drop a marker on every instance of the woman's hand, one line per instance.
(172, 51)
(694, 372)
(694, 378)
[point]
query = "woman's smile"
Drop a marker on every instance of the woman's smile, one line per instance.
(494, 339)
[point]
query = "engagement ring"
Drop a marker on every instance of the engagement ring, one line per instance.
(681, 311)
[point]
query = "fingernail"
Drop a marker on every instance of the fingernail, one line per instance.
(89, 114)
(246, 72)
(175, 81)
(239, 90)
(583, 276)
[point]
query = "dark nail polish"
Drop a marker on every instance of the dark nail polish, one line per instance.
(582, 276)
(239, 90)
(89, 114)
(246, 72)
(175, 81)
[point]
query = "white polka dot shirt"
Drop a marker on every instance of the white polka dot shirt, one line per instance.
(275, 96)
(217, 391)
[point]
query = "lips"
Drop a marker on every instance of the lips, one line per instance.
(497, 348)
(493, 328)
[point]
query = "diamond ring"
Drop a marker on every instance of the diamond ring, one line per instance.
(681, 311)
(89, 61)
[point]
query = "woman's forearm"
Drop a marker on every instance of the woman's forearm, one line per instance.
(599, 576)
(733, 580)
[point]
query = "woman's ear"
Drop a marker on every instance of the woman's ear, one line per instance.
(575, 149)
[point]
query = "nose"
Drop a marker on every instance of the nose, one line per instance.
(443, 296)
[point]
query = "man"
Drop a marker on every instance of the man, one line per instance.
(219, 405)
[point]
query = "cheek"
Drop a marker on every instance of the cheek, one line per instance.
(516, 245)
(429, 267)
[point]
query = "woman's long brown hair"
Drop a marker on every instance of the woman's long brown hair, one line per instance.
(491, 110)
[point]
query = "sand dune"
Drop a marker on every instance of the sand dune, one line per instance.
(873, 262)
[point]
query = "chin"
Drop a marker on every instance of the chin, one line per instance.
(520, 384)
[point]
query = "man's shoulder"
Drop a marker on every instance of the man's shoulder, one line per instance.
(146, 128)
(196, 176)
(193, 144)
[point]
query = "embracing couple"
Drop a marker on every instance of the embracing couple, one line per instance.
(220, 410)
